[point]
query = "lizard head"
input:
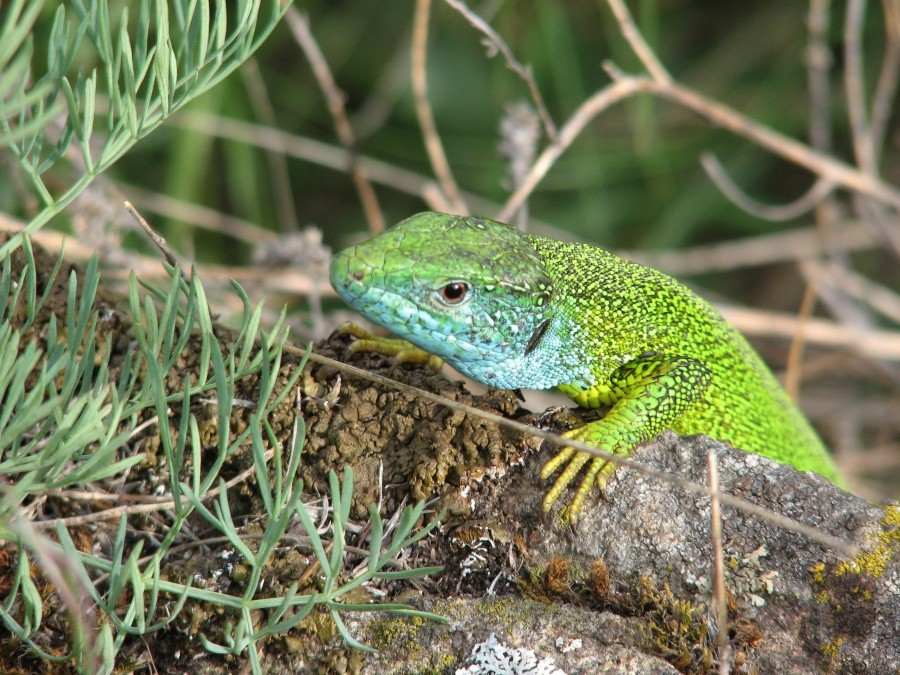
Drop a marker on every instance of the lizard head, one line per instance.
(469, 290)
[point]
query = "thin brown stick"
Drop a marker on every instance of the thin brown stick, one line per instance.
(764, 249)
(433, 145)
(888, 78)
(875, 344)
(880, 298)
(798, 341)
(587, 111)
(198, 215)
(496, 44)
(157, 239)
(854, 85)
(118, 511)
(324, 154)
(299, 25)
(717, 174)
(720, 602)
(640, 47)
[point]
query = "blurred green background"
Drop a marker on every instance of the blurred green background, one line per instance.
(632, 180)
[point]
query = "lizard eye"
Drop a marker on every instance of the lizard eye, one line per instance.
(454, 293)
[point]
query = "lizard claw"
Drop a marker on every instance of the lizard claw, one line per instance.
(403, 350)
(598, 472)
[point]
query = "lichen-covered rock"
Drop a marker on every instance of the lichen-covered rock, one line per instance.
(801, 606)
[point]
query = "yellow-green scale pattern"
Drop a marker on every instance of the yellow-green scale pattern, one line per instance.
(518, 311)
(649, 339)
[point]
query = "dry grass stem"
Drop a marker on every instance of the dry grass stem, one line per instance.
(765, 249)
(587, 111)
(433, 144)
(157, 239)
(624, 86)
(827, 167)
(855, 86)
(794, 372)
(334, 97)
(199, 216)
(326, 155)
(720, 601)
(876, 344)
(118, 511)
(881, 299)
(637, 42)
(813, 197)
(496, 44)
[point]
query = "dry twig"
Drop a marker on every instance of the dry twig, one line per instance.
(496, 44)
(299, 25)
(433, 144)
(720, 602)
(820, 190)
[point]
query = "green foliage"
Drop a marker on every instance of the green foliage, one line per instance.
(149, 63)
(70, 428)
(68, 413)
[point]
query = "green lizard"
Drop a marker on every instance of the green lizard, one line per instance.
(513, 310)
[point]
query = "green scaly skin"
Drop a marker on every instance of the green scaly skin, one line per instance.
(514, 310)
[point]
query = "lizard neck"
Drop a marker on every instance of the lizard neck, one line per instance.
(555, 358)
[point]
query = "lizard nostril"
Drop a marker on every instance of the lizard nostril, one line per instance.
(357, 275)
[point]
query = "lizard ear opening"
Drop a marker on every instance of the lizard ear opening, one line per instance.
(536, 336)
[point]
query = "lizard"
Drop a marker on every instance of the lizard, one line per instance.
(518, 311)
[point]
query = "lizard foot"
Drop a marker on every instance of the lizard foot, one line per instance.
(598, 472)
(402, 350)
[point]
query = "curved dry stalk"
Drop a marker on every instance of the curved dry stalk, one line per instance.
(637, 42)
(886, 88)
(587, 111)
(624, 86)
(855, 86)
(494, 42)
(430, 136)
(719, 176)
(299, 25)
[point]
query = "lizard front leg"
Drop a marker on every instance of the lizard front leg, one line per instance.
(403, 350)
(648, 395)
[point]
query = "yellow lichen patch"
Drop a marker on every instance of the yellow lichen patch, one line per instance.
(818, 573)
(833, 649)
(400, 634)
(873, 562)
